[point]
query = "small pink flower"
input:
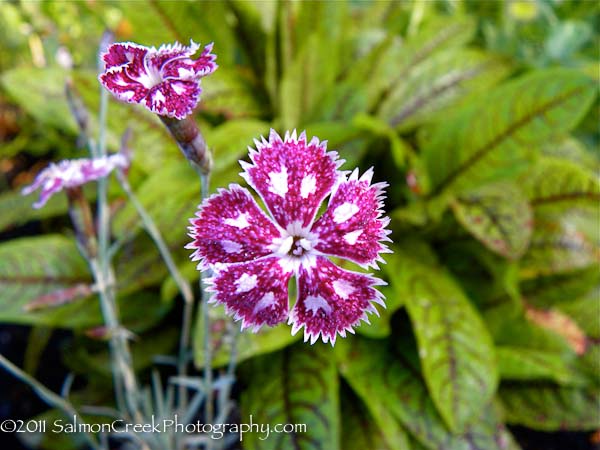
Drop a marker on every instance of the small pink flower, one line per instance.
(166, 81)
(253, 255)
(72, 173)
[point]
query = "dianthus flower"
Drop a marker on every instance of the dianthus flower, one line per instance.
(166, 81)
(72, 173)
(253, 255)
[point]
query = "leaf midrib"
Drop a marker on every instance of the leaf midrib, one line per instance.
(499, 138)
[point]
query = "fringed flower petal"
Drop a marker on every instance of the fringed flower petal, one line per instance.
(166, 81)
(230, 228)
(255, 292)
(186, 68)
(175, 99)
(292, 176)
(352, 227)
(332, 301)
(123, 86)
(73, 173)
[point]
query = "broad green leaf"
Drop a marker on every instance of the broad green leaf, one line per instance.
(362, 430)
(549, 407)
(566, 202)
(563, 240)
(41, 93)
(556, 183)
(388, 62)
(37, 266)
(16, 209)
(298, 385)
(232, 94)
(455, 349)
(388, 380)
(438, 83)
(306, 81)
(498, 215)
(515, 363)
(492, 138)
(230, 141)
(585, 311)
(225, 337)
(155, 22)
(571, 149)
(49, 270)
(561, 289)
(510, 328)
(251, 31)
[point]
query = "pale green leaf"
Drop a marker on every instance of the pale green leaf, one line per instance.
(455, 349)
(438, 83)
(363, 430)
(389, 380)
(491, 138)
(515, 363)
(298, 385)
(498, 215)
(549, 407)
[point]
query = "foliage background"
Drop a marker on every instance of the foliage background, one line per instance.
(482, 116)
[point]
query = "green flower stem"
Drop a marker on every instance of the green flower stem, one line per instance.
(52, 399)
(124, 374)
(209, 410)
(182, 284)
(150, 226)
(122, 365)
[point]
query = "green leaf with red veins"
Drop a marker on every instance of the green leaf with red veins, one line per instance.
(389, 379)
(499, 216)
(298, 385)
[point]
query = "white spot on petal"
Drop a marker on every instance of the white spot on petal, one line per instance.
(343, 288)
(308, 186)
(279, 182)
(240, 221)
(344, 212)
(352, 237)
(179, 88)
(158, 98)
(313, 304)
(185, 73)
(231, 247)
(266, 301)
(245, 283)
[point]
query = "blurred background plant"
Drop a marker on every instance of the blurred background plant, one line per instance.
(482, 116)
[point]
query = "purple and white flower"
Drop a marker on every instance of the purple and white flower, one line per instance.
(165, 80)
(72, 173)
(253, 255)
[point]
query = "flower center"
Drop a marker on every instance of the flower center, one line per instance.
(300, 245)
(295, 246)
